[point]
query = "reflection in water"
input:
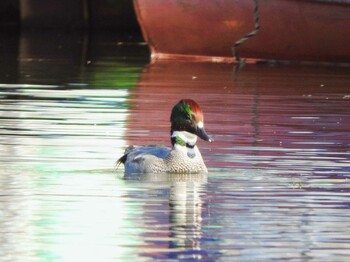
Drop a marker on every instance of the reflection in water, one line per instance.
(280, 161)
(180, 206)
(185, 216)
(278, 184)
(62, 121)
(266, 116)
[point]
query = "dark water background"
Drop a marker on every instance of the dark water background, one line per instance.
(278, 185)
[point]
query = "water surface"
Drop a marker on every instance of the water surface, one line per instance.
(278, 184)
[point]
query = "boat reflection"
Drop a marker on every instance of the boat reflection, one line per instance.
(264, 111)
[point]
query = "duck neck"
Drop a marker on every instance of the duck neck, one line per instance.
(183, 138)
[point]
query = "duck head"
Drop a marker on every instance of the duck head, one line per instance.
(187, 123)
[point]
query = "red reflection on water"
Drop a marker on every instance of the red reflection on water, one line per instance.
(264, 109)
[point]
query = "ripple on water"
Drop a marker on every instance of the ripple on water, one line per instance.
(278, 186)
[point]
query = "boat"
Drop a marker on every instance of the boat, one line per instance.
(229, 30)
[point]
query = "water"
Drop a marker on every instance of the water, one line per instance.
(278, 185)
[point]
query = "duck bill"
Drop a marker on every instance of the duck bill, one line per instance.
(200, 132)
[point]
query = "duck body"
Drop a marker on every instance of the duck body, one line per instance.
(161, 159)
(184, 155)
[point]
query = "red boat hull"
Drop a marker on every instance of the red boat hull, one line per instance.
(302, 30)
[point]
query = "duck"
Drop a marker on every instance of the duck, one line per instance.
(187, 124)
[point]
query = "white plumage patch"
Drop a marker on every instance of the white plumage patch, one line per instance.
(187, 137)
(200, 124)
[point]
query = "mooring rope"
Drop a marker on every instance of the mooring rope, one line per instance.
(252, 33)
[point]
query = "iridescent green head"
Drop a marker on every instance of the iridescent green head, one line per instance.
(188, 116)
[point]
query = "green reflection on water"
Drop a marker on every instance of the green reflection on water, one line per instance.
(113, 75)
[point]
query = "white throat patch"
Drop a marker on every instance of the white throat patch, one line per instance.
(187, 137)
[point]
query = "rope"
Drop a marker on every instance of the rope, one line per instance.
(252, 33)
